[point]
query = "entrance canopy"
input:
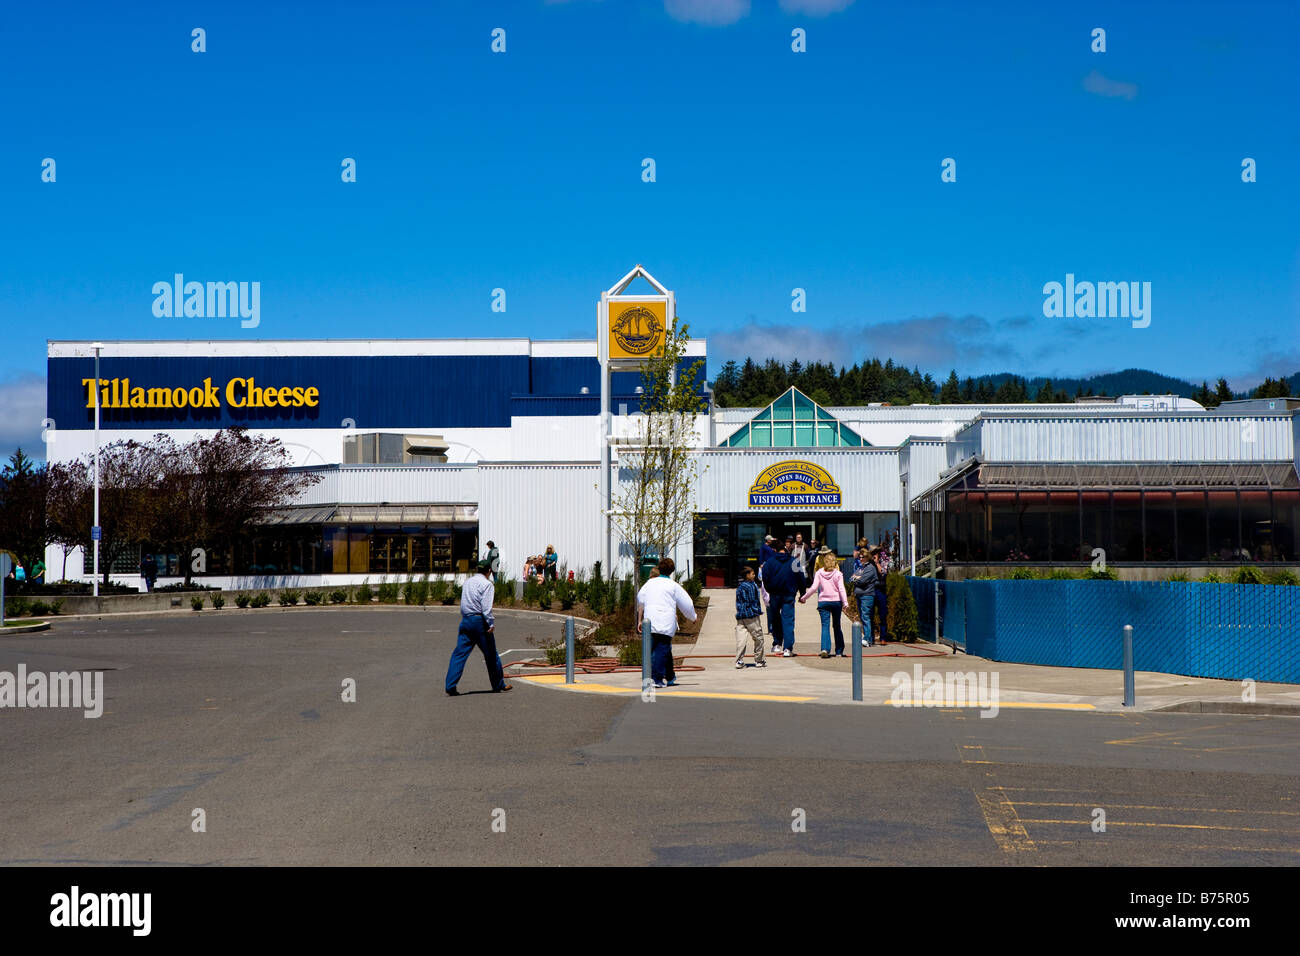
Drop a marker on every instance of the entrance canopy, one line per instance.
(794, 421)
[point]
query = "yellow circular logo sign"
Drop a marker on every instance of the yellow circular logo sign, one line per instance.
(637, 330)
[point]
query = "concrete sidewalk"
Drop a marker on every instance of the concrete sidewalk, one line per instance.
(808, 678)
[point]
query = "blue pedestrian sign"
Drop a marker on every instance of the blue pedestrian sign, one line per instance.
(96, 533)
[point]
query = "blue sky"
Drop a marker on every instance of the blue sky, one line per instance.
(775, 170)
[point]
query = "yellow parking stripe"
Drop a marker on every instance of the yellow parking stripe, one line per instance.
(662, 691)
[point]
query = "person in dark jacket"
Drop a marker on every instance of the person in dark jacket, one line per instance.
(865, 576)
(749, 612)
(782, 586)
(149, 571)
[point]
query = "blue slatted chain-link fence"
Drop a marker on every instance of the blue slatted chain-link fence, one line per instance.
(1227, 631)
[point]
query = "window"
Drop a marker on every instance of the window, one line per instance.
(1286, 517)
(1126, 518)
(1190, 509)
(1159, 519)
(1256, 525)
(1003, 543)
(1225, 542)
(1033, 532)
(1063, 521)
(794, 421)
(1094, 508)
(712, 551)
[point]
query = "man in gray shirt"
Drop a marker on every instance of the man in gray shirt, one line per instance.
(476, 627)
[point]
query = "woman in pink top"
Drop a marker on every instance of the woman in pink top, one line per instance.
(828, 585)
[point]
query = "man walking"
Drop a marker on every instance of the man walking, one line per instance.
(658, 602)
(476, 627)
(493, 557)
(782, 585)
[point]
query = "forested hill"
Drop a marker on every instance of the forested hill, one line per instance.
(753, 385)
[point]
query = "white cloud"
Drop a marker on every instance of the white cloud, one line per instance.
(931, 342)
(1101, 85)
(815, 8)
(22, 406)
(712, 13)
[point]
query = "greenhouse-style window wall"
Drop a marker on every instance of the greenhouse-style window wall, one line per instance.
(331, 549)
(1237, 526)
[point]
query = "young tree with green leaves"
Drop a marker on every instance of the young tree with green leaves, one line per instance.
(653, 506)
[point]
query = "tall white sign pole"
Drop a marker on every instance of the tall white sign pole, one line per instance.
(606, 431)
(95, 533)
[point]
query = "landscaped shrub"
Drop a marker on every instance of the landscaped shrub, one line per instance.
(338, 596)
(902, 609)
(626, 592)
(17, 607)
(629, 653)
(596, 590)
(1022, 574)
(1061, 574)
(1212, 577)
(417, 592)
(389, 591)
(544, 595)
(452, 595)
(503, 593)
(1248, 574)
(312, 598)
(556, 654)
(196, 602)
(242, 600)
(580, 585)
(56, 607)
(364, 592)
(438, 591)
(39, 609)
(289, 598)
(261, 599)
(1285, 576)
(1105, 574)
(218, 601)
(565, 593)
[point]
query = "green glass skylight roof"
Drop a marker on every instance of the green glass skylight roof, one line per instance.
(794, 421)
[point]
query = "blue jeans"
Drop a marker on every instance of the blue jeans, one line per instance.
(781, 607)
(661, 658)
(830, 613)
(474, 633)
(865, 602)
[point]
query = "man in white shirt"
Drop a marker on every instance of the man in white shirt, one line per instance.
(658, 602)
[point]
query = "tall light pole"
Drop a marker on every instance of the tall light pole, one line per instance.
(95, 532)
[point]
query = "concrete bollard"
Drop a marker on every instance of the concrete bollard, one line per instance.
(1128, 666)
(568, 650)
(645, 652)
(857, 661)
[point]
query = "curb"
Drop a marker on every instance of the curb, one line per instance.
(26, 628)
(242, 611)
(1239, 708)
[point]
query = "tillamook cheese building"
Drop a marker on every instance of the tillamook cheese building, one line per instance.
(428, 448)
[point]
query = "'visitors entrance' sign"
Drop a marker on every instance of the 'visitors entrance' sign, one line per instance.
(794, 484)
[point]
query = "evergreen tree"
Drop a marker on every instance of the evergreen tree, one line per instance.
(1221, 392)
(1045, 394)
(950, 394)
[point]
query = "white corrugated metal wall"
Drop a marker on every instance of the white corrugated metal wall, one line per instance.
(524, 506)
(394, 484)
(1258, 437)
